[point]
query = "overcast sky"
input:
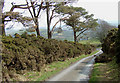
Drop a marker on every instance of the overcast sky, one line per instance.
(102, 9)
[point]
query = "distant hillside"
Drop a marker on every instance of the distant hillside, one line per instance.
(64, 35)
(114, 23)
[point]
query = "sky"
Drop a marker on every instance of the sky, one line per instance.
(102, 9)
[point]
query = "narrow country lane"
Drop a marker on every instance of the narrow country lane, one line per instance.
(79, 71)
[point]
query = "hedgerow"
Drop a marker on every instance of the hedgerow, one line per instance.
(30, 53)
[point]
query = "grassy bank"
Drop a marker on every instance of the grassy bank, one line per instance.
(53, 68)
(105, 72)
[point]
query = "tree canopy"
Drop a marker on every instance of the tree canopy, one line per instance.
(78, 19)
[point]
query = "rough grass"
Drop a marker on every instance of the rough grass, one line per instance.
(53, 68)
(105, 72)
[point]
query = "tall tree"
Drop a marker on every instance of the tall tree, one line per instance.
(35, 12)
(78, 19)
(48, 20)
(34, 8)
(51, 7)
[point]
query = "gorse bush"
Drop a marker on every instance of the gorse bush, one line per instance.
(109, 42)
(30, 53)
(108, 47)
(111, 47)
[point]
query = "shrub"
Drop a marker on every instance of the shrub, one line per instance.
(70, 53)
(24, 35)
(111, 45)
(17, 35)
(30, 53)
(109, 42)
(103, 58)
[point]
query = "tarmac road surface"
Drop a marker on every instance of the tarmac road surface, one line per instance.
(79, 71)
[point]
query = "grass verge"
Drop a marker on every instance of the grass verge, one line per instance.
(53, 68)
(105, 72)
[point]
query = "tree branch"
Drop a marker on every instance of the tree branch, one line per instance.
(40, 7)
(33, 8)
(55, 16)
(82, 32)
(57, 23)
(10, 26)
(52, 15)
(30, 10)
(19, 6)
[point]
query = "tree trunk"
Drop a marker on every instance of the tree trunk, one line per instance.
(37, 28)
(50, 35)
(48, 21)
(1, 20)
(3, 27)
(75, 37)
